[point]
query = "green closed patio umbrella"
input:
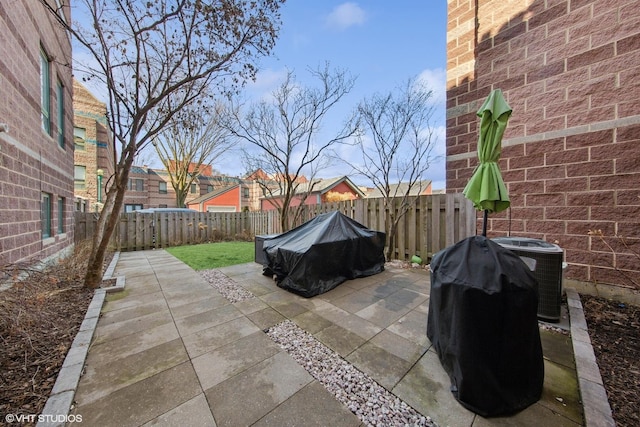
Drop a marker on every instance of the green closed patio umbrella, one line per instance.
(486, 189)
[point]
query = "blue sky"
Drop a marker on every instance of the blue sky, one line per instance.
(381, 42)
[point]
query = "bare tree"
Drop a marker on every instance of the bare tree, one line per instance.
(396, 144)
(155, 58)
(191, 140)
(282, 137)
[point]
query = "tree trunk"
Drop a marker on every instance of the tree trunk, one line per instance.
(391, 232)
(283, 220)
(106, 225)
(181, 197)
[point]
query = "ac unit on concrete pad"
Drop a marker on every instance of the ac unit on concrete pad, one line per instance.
(548, 271)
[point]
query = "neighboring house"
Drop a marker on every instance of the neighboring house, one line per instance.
(571, 150)
(151, 188)
(207, 182)
(258, 175)
(139, 190)
(320, 189)
(228, 199)
(36, 133)
(204, 170)
(94, 150)
(147, 187)
(420, 188)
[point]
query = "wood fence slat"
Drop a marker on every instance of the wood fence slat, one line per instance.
(449, 222)
(421, 227)
(436, 219)
(401, 232)
(412, 232)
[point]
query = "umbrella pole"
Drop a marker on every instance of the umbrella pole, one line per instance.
(484, 223)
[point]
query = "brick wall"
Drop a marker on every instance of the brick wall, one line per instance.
(32, 162)
(157, 199)
(97, 153)
(90, 115)
(570, 70)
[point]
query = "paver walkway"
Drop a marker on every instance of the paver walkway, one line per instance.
(171, 350)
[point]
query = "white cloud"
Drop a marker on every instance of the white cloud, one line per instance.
(437, 170)
(268, 79)
(435, 80)
(346, 15)
(439, 138)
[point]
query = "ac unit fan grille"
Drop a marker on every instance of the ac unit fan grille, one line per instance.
(548, 273)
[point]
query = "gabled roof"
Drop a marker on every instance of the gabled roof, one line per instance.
(258, 174)
(401, 188)
(322, 186)
(261, 175)
(139, 170)
(212, 194)
(204, 170)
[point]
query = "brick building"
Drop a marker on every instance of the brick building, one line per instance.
(570, 70)
(36, 133)
(94, 155)
(225, 199)
(94, 149)
(319, 193)
(151, 188)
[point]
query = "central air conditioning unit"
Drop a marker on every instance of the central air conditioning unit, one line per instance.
(548, 271)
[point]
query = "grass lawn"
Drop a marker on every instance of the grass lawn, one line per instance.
(214, 255)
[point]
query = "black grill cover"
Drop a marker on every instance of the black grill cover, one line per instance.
(483, 324)
(322, 253)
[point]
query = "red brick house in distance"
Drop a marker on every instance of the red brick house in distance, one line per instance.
(321, 189)
(228, 199)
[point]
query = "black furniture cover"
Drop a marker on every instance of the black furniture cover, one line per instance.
(483, 324)
(322, 253)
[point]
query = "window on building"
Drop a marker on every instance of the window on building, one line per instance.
(162, 206)
(79, 177)
(60, 111)
(45, 96)
(79, 138)
(209, 188)
(162, 187)
(45, 215)
(132, 207)
(245, 192)
(135, 184)
(60, 215)
(81, 205)
(194, 188)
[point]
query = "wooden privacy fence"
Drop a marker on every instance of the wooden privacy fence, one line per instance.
(431, 224)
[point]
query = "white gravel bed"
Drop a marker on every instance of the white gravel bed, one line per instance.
(226, 286)
(372, 403)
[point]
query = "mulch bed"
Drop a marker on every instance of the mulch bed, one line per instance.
(614, 329)
(39, 317)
